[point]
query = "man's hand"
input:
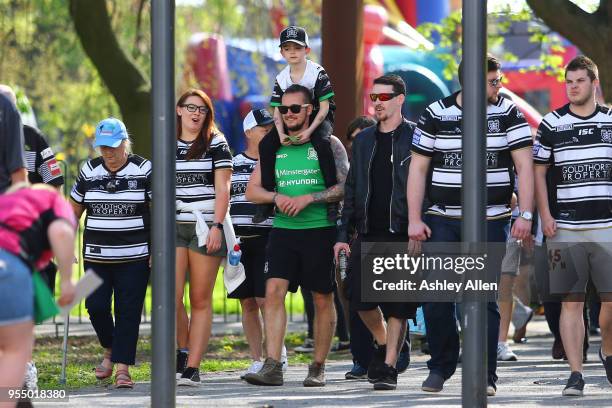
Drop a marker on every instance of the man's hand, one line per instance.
(521, 230)
(549, 226)
(414, 247)
(340, 246)
(298, 203)
(283, 202)
(418, 231)
(67, 291)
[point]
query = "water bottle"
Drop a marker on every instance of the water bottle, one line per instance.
(342, 263)
(234, 256)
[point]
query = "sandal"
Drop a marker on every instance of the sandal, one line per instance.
(101, 372)
(123, 379)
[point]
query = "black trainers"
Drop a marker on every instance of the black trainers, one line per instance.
(375, 369)
(433, 383)
(575, 385)
(262, 213)
(270, 374)
(388, 379)
(607, 363)
(190, 377)
(181, 363)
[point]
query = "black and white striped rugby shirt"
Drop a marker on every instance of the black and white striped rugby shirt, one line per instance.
(438, 136)
(195, 178)
(242, 210)
(117, 223)
(579, 153)
(41, 162)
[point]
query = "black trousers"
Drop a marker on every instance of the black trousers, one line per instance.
(128, 283)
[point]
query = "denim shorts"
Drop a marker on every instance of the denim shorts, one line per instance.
(16, 290)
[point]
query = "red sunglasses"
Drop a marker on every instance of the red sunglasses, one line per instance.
(382, 96)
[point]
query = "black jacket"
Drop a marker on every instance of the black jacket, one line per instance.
(358, 182)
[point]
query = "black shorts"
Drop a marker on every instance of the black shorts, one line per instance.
(254, 259)
(303, 257)
(399, 310)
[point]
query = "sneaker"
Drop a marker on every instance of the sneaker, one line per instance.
(505, 353)
(253, 368)
(607, 362)
(307, 347)
(270, 374)
(403, 361)
(357, 372)
(375, 369)
(190, 377)
(558, 352)
(262, 213)
(341, 346)
(316, 375)
(388, 379)
(491, 390)
(181, 363)
(284, 360)
(575, 385)
(433, 383)
(31, 377)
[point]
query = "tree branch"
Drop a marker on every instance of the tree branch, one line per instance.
(564, 17)
(92, 24)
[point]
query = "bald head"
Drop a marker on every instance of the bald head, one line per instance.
(9, 93)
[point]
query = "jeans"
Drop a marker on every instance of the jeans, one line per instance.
(441, 317)
(128, 282)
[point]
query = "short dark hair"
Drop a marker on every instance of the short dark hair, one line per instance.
(297, 88)
(360, 122)
(493, 64)
(399, 86)
(583, 62)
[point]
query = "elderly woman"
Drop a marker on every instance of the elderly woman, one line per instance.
(36, 223)
(115, 192)
(203, 173)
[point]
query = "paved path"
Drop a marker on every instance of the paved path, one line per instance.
(533, 381)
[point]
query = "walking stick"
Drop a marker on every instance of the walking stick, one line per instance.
(65, 348)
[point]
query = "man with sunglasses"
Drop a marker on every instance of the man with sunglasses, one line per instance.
(375, 206)
(300, 245)
(435, 173)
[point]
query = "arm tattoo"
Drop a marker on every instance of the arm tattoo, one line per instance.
(336, 192)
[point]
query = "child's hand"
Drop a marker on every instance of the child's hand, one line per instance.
(304, 137)
(284, 139)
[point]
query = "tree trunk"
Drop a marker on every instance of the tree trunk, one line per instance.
(592, 33)
(128, 85)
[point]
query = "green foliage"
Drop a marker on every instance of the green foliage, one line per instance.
(499, 23)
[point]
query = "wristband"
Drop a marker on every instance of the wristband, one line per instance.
(274, 198)
(218, 225)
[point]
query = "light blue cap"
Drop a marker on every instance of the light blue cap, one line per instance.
(110, 132)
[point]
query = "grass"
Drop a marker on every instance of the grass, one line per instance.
(225, 353)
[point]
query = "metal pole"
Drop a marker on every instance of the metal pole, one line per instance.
(474, 102)
(163, 391)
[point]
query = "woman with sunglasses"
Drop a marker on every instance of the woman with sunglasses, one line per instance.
(114, 190)
(203, 174)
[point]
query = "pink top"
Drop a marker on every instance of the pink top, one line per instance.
(25, 216)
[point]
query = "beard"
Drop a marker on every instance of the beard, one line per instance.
(297, 126)
(583, 101)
